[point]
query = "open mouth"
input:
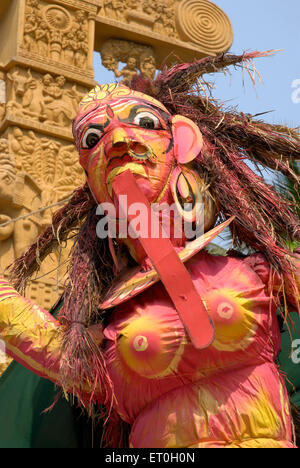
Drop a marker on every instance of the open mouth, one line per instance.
(139, 156)
(139, 151)
(134, 168)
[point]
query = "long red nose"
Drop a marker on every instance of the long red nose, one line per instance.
(172, 272)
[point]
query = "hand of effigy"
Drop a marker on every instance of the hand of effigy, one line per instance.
(21, 322)
(32, 335)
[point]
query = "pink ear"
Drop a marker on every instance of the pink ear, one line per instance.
(188, 140)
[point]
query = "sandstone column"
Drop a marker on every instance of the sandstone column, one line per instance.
(46, 67)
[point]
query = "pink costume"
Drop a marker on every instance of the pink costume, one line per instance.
(228, 395)
(177, 382)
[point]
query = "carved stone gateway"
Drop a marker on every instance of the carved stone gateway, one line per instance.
(187, 29)
(46, 67)
(55, 32)
(138, 58)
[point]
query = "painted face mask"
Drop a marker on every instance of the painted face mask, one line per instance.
(118, 129)
(128, 136)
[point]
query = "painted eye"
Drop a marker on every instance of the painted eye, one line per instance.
(147, 120)
(91, 138)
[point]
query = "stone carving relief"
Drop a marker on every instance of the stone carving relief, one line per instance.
(148, 66)
(157, 15)
(48, 99)
(2, 99)
(205, 24)
(56, 33)
(52, 164)
(19, 195)
(137, 57)
(44, 293)
(35, 173)
(199, 22)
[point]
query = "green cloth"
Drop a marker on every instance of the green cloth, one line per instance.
(23, 399)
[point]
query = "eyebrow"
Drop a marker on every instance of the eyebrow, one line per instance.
(134, 110)
(93, 125)
(98, 126)
(154, 107)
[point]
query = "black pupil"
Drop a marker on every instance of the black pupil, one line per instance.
(147, 122)
(92, 140)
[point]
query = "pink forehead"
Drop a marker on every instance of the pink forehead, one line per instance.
(118, 104)
(95, 109)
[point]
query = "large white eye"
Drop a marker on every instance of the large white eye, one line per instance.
(147, 120)
(91, 137)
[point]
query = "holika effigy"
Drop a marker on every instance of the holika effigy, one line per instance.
(182, 345)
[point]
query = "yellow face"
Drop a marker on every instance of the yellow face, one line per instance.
(125, 130)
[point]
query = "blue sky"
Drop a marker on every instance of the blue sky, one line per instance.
(265, 25)
(258, 25)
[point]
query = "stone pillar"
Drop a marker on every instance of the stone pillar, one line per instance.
(45, 70)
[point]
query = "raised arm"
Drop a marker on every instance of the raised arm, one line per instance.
(32, 336)
(34, 339)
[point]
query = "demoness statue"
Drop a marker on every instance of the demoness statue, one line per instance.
(178, 344)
